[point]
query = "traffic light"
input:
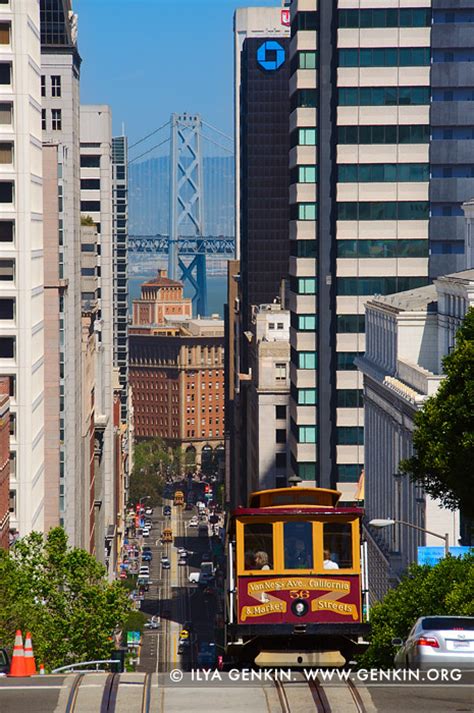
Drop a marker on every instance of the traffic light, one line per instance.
(206, 488)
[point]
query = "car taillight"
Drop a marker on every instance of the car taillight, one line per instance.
(428, 641)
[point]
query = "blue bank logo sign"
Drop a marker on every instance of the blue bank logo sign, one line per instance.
(270, 55)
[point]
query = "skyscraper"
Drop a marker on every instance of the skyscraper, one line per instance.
(60, 75)
(21, 260)
(359, 215)
(120, 265)
(261, 104)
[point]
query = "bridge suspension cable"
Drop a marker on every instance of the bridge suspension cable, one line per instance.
(132, 160)
(152, 133)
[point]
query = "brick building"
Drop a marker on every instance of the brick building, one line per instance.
(161, 298)
(177, 380)
(4, 460)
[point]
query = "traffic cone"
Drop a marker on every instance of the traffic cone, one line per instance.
(29, 656)
(42, 671)
(18, 667)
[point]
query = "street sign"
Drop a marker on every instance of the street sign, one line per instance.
(432, 555)
(133, 638)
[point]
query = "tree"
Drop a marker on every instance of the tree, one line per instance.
(445, 589)
(62, 596)
(443, 438)
(153, 461)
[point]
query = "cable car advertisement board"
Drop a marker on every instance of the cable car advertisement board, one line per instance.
(299, 599)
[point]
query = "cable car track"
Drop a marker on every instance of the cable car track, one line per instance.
(110, 693)
(321, 699)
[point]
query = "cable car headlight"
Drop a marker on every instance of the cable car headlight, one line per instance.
(299, 607)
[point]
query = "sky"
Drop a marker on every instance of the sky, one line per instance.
(149, 58)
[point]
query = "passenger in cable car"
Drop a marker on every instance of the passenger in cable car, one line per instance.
(328, 562)
(261, 560)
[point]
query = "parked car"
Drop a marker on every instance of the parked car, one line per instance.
(148, 511)
(165, 563)
(438, 641)
(182, 562)
(193, 577)
(146, 532)
(4, 661)
(194, 522)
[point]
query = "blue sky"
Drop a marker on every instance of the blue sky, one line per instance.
(148, 58)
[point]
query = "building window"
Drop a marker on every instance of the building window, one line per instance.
(7, 308)
(304, 98)
(304, 322)
(383, 172)
(13, 425)
(304, 285)
(6, 152)
(307, 360)
(43, 119)
(304, 174)
(307, 434)
(349, 473)
(345, 361)
(305, 397)
(5, 73)
(7, 270)
(43, 85)
(303, 211)
(280, 412)
(307, 137)
(350, 323)
(304, 20)
(6, 191)
(92, 206)
(56, 119)
(90, 184)
(55, 85)
(350, 435)
(385, 57)
(7, 348)
(303, 248)
(280, 372)
(382, 248)
(377, 285)
(280, 460)
(383, 210)
(349, 398)
(12, 389)
(5, 28)
(89, 161)
(12, 464)
(305, 60)
(383, 96)
(12, 499)
(388, 17)
(391, 134)
(280, 435)
(306, 471)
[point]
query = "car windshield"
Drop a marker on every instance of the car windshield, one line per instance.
(447, 623)
(3, 658)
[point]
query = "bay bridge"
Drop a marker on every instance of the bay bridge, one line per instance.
(187, 243)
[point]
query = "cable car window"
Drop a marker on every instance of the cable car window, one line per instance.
(258, 545)
(298, 538)
(337, 545)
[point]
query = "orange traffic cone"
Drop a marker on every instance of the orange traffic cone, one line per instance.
(18, 667)
(42, 671)
(29, 656)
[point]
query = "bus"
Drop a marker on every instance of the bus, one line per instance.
(179, 497)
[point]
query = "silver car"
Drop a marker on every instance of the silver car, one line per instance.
(438, 641)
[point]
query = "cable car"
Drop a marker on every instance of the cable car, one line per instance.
(167, 535)
(294, 594)
(179, 497)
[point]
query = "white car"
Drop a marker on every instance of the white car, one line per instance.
(182, 562)
(146, 532)
(193, 522)
(148, 511)
(144, 570)
(193, 578)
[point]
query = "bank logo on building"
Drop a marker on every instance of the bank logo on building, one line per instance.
(270, 55)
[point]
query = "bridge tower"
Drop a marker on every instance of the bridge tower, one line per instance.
(186, 215)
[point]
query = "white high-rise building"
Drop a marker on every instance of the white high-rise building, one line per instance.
(21, 256)
(96, 202)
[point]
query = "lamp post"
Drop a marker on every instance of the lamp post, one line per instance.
(389, 521)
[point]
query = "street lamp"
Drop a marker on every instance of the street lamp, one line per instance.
(389, 521)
